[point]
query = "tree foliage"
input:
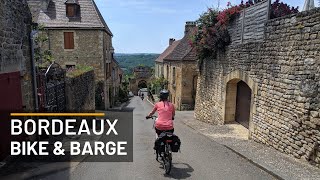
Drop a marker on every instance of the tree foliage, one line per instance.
(129, 61)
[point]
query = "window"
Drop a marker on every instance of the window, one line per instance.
(174, 75)
(68, 40)
(108, 70)
(167, 72)
(120, 76)
(71, 10)
(113, 74)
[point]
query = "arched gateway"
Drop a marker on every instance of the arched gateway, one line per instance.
(239, 93)
(142, 84)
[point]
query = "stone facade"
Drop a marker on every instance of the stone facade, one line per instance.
(91, 48)
(283, 75)
(158, 71)
(80, 93)
(115, 78)
(142, 77)
(88, 50)
(181, 83)
(90, 42)
(15, 53)
(178, 65)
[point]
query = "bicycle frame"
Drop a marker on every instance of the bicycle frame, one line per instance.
(166, 156)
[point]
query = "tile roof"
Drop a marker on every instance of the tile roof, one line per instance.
(55, 15)
(182, 51)
(166, 52)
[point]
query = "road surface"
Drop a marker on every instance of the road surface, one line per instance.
(200, 157)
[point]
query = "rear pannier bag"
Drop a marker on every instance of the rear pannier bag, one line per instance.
(160, 142)
(175, 144)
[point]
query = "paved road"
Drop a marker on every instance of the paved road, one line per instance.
(201, 158)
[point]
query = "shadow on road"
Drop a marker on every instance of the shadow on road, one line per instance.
(180, 171)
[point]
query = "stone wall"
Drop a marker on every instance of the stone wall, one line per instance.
(188, 84)
(80, 93)
(283, 74)
(15, 55)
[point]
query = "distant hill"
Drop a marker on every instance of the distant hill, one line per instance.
(128, 61)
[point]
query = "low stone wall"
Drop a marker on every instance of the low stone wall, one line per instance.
(80, 93)
(284, 77)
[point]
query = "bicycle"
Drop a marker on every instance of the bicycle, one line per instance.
(165, 153)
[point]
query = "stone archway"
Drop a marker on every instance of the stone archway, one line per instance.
(142, 84)
(239, 99)
(136, 84)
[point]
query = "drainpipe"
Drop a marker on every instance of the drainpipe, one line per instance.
(34, 32)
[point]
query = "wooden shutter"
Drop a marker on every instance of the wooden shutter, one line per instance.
(68, 40)
(70, 10)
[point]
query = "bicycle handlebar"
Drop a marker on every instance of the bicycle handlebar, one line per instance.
(151, 117)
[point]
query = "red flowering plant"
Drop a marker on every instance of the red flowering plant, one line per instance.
(279, 9)
(211, 33)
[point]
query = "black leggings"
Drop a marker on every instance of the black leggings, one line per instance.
(160, 131)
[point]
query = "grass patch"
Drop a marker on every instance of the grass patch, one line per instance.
(78, 70)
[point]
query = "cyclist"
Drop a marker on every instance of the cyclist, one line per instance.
(166, 113)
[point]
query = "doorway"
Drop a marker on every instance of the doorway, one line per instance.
(243, 103)
(238, 102)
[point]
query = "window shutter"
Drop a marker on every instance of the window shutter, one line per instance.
(68, 40)
(70, 10)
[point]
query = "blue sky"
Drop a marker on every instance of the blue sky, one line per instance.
(145, 26)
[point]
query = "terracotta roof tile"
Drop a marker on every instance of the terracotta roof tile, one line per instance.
(166, 52)
(183, 51)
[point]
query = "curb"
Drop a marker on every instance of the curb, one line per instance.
(238, 153)
(150, 102)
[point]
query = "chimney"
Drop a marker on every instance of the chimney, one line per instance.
(171, 40)
(190, 25)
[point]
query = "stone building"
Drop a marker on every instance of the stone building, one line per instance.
(115, 78)
(16, 78)
(178, 66)
(271, 86)
(141, 78)
(77, 35)
(158, 70)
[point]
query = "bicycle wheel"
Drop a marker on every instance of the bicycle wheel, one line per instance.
(168, 163)
(167, 160)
